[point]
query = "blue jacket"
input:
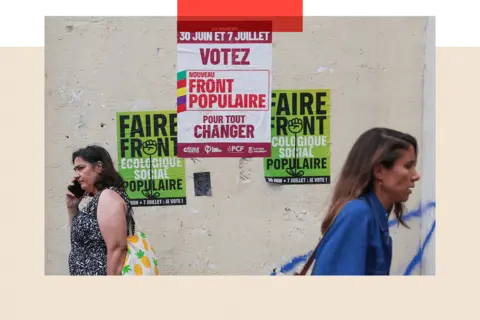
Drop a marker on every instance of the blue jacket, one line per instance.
(358, 242)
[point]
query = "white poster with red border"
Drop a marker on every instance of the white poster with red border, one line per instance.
(224, 90)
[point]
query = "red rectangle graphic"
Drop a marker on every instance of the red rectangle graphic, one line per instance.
(181, 83)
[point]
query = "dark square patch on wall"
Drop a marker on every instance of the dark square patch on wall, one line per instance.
(202, 183)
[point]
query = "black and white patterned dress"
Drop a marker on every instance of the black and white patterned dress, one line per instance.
(88, 254)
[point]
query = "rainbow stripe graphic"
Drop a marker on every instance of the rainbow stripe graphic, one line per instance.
(181, 91)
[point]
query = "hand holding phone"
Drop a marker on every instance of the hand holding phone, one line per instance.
(74, 195)
(76, 189)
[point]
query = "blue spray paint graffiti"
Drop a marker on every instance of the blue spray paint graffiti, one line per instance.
(418, 257)
(414, 213)
(416, 260)
(293, 263)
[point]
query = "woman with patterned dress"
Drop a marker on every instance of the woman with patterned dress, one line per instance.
(99, 230)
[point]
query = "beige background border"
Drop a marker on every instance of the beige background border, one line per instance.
(234, 297)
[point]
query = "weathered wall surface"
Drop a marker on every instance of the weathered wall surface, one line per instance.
(98, 66)
(428, 219)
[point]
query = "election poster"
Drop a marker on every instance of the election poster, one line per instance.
(300, 138)
(224, 89)
(147, 158)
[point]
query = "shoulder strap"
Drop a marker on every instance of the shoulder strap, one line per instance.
(310, 260)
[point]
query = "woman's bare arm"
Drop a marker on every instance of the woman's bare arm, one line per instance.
(111, 216)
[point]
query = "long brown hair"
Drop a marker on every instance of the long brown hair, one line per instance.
(375, 146)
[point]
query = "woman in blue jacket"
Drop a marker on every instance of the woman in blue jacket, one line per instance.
(376, 179)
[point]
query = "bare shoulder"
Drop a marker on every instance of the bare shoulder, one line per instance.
(110, 198)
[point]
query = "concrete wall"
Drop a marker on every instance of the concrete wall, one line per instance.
(428, 219)
(98, 66)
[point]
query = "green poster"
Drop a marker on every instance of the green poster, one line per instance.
(147, 158)
(300, 137)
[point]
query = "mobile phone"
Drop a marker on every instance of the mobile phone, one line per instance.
(76, 189)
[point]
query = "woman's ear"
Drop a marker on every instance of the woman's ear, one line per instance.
(378, 172)
(99, 167)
